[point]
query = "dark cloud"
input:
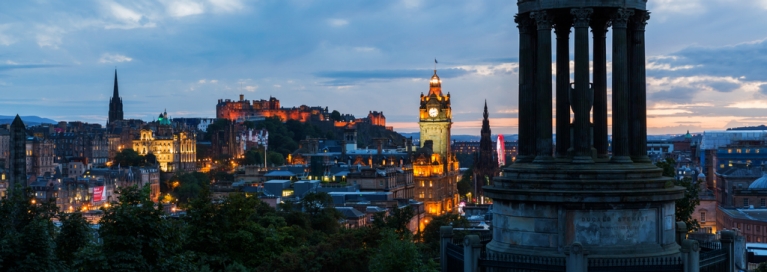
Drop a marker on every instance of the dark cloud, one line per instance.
(501, 60)
(724, 87)
(344, 78)
(7, 67)
(729, 61)
(676, 95)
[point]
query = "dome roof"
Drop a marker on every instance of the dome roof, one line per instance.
(435, 84)
(760, 183)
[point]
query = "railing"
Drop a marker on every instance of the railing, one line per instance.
(712, 258)
(454, 257)
(660, 264)
(502, 262)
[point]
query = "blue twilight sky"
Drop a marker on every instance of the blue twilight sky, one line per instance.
(707, 59)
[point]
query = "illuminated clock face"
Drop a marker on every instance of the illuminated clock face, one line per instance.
(433, 112)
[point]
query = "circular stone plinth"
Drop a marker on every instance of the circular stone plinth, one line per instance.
(613, 210)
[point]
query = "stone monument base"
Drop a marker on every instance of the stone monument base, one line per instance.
(612, 210)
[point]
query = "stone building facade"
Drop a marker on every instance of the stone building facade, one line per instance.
(434, 166)
(40, 156)
(175, 151)
(245, 109)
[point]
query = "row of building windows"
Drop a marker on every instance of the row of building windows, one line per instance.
(740, 150)
(762, 202)
(729, 163)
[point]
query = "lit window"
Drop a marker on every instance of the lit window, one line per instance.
(738, 150)
(729, 150)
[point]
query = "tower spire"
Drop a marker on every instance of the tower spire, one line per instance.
(116, 92)
(485, 114)
(115, 104)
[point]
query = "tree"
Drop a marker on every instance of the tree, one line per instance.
(75, 234)
(430, 234)
(27, 236)
(761, 268)
(685, 207)
(465, 185)
(335, 115)
(395, 254)
(135, 235)
(396, 221)
(129, 157)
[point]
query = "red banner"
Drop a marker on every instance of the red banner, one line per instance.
(98, 193)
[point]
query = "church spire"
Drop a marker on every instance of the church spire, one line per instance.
(115, 104)
(116, 93)
(485, 114)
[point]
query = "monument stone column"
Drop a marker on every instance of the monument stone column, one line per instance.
(621, 213)
(620, 86)
(542, 105)
(582, 95)
(526, 89)
(562, 29)
(599, 26)
(638, 91)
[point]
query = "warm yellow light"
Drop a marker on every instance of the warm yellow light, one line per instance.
(33, 201)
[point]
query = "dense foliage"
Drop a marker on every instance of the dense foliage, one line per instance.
(685, 207)
(466, 184)
(237, 233)
(129, 157)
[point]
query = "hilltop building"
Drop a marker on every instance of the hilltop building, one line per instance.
(244, 110)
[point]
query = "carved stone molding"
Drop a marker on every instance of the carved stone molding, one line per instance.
(581, 16)
(640, 20)
(542, 19)
(621, 18)
(524, 23)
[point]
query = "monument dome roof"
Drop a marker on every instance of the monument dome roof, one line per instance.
(760, 183)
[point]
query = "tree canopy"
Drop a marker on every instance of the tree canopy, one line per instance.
(685, 207)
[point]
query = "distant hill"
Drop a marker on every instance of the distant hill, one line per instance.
(28, 120)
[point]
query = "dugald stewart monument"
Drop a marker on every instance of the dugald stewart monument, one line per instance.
(572, 197)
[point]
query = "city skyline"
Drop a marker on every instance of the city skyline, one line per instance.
(354, 58)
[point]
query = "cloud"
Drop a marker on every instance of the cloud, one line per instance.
(6, 39)
(337, 22)
(365, 49)
(677, 6)
(202, 81)
(226, 5)
(184, 8)
(125, 17)
(724, 86)
(251, 88)
(8, 67)
(732, 61)
(343, 78)
(112, 58)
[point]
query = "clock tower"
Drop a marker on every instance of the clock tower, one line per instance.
(435, 118)
(435, 169)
